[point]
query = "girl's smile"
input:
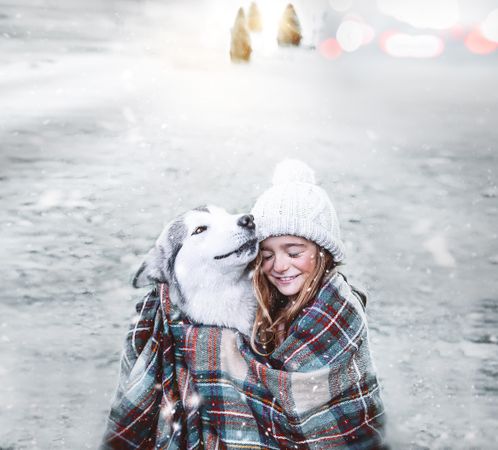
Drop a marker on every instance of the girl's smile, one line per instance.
(281, 282)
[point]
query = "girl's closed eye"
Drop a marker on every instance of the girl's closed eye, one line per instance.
(295, 255)
(267, 256)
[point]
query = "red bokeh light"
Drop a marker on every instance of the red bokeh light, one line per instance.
(330, 48)
(478, 44)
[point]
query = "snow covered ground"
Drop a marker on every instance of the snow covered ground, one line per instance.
(116, 116)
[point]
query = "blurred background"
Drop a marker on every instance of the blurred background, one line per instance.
(117, 115)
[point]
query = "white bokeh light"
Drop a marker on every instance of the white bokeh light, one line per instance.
(489, 27)
(350, 35)
(368, 33)
(402, 45)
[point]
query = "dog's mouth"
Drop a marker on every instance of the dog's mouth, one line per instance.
(249, 245)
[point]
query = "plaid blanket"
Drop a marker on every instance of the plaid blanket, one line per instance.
(186, 386)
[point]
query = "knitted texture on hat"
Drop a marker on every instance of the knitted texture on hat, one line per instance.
(296, 206)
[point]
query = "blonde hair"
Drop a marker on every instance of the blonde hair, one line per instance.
(267, 330)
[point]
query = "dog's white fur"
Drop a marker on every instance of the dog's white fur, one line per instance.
(203, 256)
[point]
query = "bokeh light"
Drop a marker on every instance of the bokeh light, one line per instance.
(350, 35)
(353, 32)
(478, 44)
(330, 48)
(489, 27)
(368, 33)
(401, 45)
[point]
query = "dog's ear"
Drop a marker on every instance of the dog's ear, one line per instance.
(158, 266)
(149, 272)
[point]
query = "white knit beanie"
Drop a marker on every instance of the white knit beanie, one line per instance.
(296, 206)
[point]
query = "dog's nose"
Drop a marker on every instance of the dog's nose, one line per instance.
(246, 221)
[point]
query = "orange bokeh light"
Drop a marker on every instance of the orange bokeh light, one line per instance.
(330, 48)
(478, 44)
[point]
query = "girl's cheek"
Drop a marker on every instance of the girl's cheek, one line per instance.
(266, 266)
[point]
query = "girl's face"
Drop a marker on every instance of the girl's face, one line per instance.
(288, 261)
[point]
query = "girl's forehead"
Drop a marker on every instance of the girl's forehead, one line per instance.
(285, 241)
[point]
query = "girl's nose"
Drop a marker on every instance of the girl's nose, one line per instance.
(280, 264)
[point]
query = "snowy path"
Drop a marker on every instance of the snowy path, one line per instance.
(99, 148)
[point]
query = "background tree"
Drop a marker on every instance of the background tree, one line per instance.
(254, 21)
(240, 47)
(289, 30)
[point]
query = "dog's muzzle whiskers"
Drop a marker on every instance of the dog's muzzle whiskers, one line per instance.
(246, 246)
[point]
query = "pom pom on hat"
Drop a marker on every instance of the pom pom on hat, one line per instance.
(296, 206)
(293, 171)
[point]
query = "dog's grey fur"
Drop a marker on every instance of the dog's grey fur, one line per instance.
(206, 269)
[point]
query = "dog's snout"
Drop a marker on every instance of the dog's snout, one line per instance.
(246, 221)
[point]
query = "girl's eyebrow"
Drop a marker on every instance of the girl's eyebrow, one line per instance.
(263, 249)
(294, 245)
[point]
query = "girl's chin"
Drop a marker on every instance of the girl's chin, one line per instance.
(288, 292)
(288, 289)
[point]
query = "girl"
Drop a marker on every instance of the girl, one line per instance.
(306, 306)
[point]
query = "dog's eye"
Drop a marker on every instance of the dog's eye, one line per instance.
(199, 230)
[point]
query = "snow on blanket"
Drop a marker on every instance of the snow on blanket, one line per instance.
(185, 386)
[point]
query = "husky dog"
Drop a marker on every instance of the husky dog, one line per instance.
(203, 256)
